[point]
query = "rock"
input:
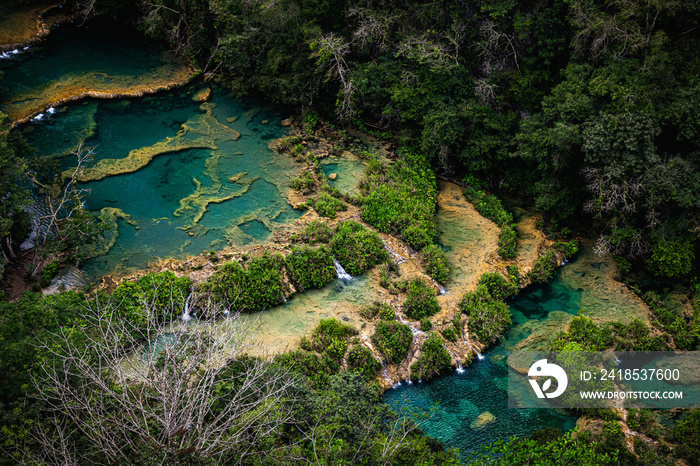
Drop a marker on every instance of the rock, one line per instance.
(286, 122)
(232, 119)
(202, 95)
(264, 122)
(332, 176)
(190, 233)
(482, 420)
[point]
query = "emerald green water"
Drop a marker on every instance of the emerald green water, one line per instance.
(243, 185)
(91, 58)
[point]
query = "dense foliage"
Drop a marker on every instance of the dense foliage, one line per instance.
(420, 299)
(433, 360)
(436, 264)
(257, 287)
(491, 207)
(357, 248)
(310, 267)
(487, 316)
(393, 340)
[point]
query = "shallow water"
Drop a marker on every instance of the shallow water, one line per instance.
(89, 59)
(233, 192)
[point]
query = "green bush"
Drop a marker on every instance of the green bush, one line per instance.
(425, 324)
(449, 333)
(487, 317)
(328, 331)
(306, 183)
(544, 268)
(360, 359)
(490, 206)
(255, 289)
(568, 248)
(433, 360)
(420, 301)
(316, 369)
(393, 340)
(435, 263)
(497, 286)
(383, 310)
(326, 205)
(401, 200)
(310, 267)
(357, 248)
(508, 242)
(167, 292)
(316, 231)
(48, 273)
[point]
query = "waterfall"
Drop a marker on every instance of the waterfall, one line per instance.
(186, 311)
(414, 330)
(395, 257)
(460, 369)
(480, 356)
(342, 274)
(439, 287)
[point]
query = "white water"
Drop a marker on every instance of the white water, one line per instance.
(460, 369)
(414, 330)
(480, 356)
(439, 287)
(342, 274)
(395, 257)
(186, 311)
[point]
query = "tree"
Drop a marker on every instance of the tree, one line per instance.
(123, 389)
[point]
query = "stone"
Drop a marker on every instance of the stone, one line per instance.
(202, 95)
(333, 176)
(482, 420)
(264, 122)
(232, 119)
(286, 122)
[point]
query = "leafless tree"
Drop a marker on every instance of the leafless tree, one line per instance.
(331, 51)
(177, 387)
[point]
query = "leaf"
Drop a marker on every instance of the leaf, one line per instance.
(546, 385)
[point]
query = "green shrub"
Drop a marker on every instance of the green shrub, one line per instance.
(316, 369)
(569, 249)
(433, 361)
(393, 340)
(508, 242)
(514, 275)
(306, 183)
(487, 317)
(357, 248)
(167, 292)
(497, 286)
(316, 231)
(401, 200)
(449, 333)
(310, 267)
(328, 331)
(436, 263)
(48, 273)
(420, 301)
(360, 359)
(327, 206)
(255, 289)
(425, 324)
(383, 310)
(544, 268)
(490, 206)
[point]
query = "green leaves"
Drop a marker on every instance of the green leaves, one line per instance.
(420, 299)
(310, 267)
(357, 248)
(393, 340)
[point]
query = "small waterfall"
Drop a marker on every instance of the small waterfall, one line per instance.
(186, 311)
(439, 287)
(395, 257)
(480, 356)
(340, 272)
(460, 369)
(284, 299)
(414, 330)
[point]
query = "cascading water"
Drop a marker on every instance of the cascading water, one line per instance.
(414, 330)
(439, 287)
(395, 257)
(460, 369)
(340, 272)
(186, 311)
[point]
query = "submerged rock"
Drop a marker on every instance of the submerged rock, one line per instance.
(482, 420)
(202, 95)
(332, 176)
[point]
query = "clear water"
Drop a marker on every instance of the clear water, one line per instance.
(242, 184)
(349, 173)
(90, 58)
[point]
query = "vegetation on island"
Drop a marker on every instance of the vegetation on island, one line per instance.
(420, 299)
(433, 360)
(393, 340)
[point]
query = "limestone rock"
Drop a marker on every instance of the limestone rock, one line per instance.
(482, 420)
(332, 176)
(286, 122)
(202, 95)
